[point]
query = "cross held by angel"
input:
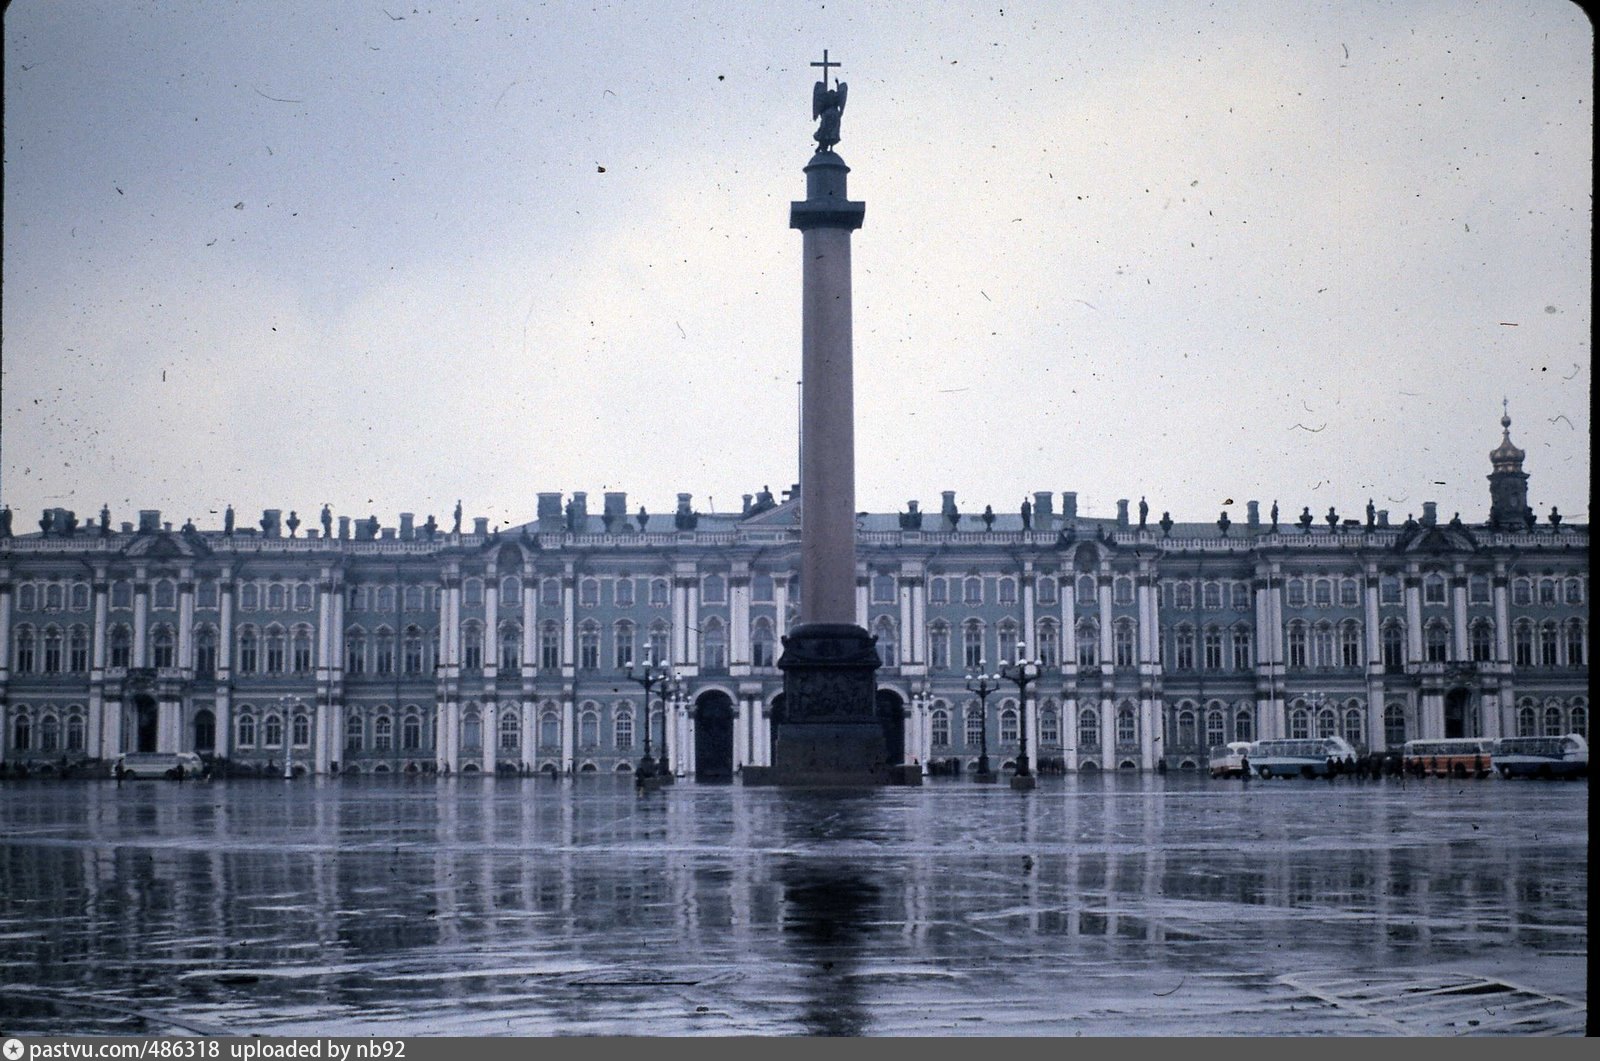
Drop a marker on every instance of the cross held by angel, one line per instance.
(828, 105)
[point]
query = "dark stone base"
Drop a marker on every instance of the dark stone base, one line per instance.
(752, 776)
(988, 777)
(1023, 782)
(830, 754)
(829, 734)
(909, 774)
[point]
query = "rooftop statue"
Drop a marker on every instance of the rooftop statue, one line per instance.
(827, 104)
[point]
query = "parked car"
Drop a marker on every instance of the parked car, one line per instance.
(174, 765)
(1228, 760)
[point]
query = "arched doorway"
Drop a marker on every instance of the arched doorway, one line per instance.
(146, 719)
(713, 737)
(205, 731)
(891, 711)
(1458, 714)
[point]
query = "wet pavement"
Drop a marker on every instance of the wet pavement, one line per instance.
(1107, 905)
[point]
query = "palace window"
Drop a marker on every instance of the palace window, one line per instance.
(1299, 723)
(24, 660)
(660, 594)
(76, 732)
(166, 595)
(1216, 729)
(623, 730)
(301, 657)
(1574, 588)
(411, 649)
(1522, 644)
(972, 644)
(249, 650)
(1049, 724)
(1088, 639)
(411, 734)
(471, 646)
(1553, 726)
(1047, 639)
(1433, 589)
(354, 733)
(714, 646)
(939, 728)
(472, 593)
(78, 651)
(384, 643)
(1322, 645)
(549, 646)
(1436, 642)
(1186, 736)
(1211, 595)
(272, 732)
(383, 734)
(1045, 588)
(660, 648)
(1244, 724)
(888, 641)
(1213, 648)
(1322, 593)
(589, 593)
(1127, 725)
(1394, 726)
(550, 731)
(589, 730)
(1008, 726)
(1580, 720)
(1394, 645)
(1122, 590)
(355, 651)
(1549, 644)
(622, 592)
(1389, 589)
(1088, 728)
(413, 598)
(939, 645)
(761, 644)
(1183, 638)
(1241, 648)
(1297, 645)
(52, 650)
(589, 645)
(510, 589)
(163, 646)
(301, 730)
(80, 595)
(1241, 596)
(1085, 589)
(1576, 643)
(550, 593)
(972, 590)
(122, 647)
(883, 589)
(1354, 726)
(1547, 591)
(1522, 592)
(1295, 593)
(277, 599)
(713, 589)
(1122, 644)
(245, 735)
(1478, 589)
(471, 731)
(937, 593)
(1183, 595)
(302, 597)
(510, 646)
(762, 589)
(623, 640)
(974, 725)
(1482, 638)
(1006, 590)
(1349, 592)
(1007, 634)
(1350, 644)
(122, 594)
(275, 649)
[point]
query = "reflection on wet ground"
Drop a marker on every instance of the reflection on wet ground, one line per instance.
(1111, 905)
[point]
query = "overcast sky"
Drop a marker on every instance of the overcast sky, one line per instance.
(386, 255)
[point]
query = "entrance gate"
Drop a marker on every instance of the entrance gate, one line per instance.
(713, 737)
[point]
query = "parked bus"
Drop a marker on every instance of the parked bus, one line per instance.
(1308, 757)
(1542, 756)
(1453, 757)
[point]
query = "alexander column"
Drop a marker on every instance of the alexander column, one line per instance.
(829, 733)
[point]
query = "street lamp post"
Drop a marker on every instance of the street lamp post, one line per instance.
(1024, 672)
(983, 685)
(288, 738)
(654, 674)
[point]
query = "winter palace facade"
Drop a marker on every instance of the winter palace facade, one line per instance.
(420, 649)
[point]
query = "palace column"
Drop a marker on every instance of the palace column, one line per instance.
(831, 734)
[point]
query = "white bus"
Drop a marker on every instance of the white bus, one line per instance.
(1304, 757)
(1566, 756)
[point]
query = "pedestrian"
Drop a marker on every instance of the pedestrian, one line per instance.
(1244, 767)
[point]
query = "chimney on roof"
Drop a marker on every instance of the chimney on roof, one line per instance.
(1430, 513)
(480, 526)
(1252, 514)
(1069, 505)
(1122, 513)
(549, 513)
(408, 529)
(149, 520)
(1043, 511)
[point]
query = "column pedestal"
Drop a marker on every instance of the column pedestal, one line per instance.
(830, 734)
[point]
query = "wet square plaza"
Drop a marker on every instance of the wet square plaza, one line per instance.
(1119, 904)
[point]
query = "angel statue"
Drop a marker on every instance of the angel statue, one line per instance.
(827, 104)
